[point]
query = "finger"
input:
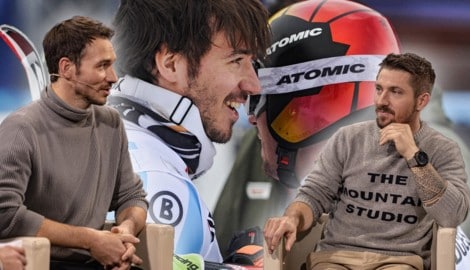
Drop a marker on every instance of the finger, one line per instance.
(276, 239)
(136, 260)
(130, 251)
(112, 260)
(128, 238)
(268, 232)
(23, 260)
(111, 267)
(290, 240)
(386, 136)
(19, 250)
(383, 137)
(117, 267)
(272, 246)
(124, 266)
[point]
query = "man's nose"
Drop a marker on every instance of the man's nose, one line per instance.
(111, 75)
(250, 81)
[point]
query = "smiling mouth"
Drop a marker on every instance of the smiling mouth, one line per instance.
(233, 104)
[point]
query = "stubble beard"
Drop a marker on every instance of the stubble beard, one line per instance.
(381, 123)
(206, 105)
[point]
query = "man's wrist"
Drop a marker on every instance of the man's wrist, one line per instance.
(419, 159)
(128, 226)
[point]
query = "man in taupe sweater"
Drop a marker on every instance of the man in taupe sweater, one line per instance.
(64, 161)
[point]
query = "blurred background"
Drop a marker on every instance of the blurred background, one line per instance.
(438, 30)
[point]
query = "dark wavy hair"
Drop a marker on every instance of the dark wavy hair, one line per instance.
(185, 27)
(69, 39)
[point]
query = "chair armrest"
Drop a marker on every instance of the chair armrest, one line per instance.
(443, 248)
(37, 249)
(156, 247)
(274, 261)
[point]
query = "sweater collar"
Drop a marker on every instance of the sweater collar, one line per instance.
(422, 130)
(63, 109)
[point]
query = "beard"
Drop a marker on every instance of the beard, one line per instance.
(210, 117)
(407, 118)
(216, 135)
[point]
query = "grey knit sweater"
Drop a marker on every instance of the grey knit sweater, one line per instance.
(371, 194)
(65, 164)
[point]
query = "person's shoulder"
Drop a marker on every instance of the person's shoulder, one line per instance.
(24, 116)
(107, 114)
(358, 127)
(437, 135)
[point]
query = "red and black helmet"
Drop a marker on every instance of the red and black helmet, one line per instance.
(320, 71)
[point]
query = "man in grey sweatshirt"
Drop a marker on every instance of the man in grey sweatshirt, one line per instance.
(384, 182)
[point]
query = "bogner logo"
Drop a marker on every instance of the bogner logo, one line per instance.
(324, 72)
(294, 38)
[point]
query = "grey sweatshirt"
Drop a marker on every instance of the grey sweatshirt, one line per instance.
(64, 164)
(371, 195)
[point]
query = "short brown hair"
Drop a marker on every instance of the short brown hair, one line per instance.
(69, 39)
(422, 73)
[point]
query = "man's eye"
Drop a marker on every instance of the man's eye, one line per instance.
(237, 60)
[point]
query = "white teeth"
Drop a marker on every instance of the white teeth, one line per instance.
(233, 104)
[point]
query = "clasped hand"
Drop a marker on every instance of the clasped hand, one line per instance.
(12, 257)
(115, 249)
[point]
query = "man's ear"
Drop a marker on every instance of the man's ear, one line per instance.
(166, 63)
(422, 101)
(66, 68)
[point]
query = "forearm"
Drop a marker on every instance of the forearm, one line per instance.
(107, 248)
(302, 213)
(430, 185)
(132, 219)
(67, 235)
